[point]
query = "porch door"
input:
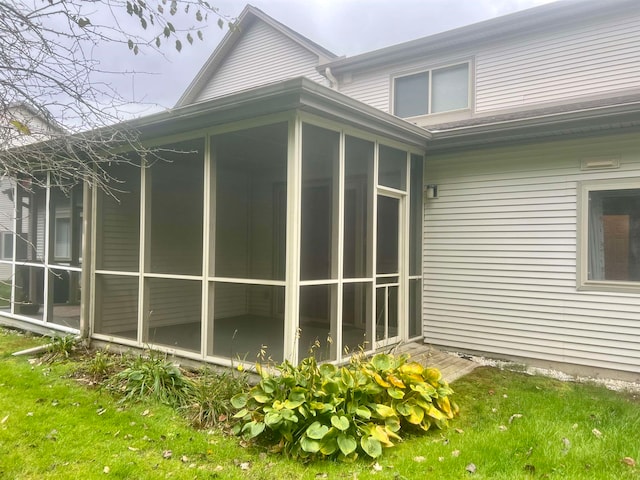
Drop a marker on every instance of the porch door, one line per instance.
(389, 238)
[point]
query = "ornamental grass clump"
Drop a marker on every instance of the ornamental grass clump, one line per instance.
(152, 376)
(314, 411)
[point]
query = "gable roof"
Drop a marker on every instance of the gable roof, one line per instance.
(553, 15)
(249, 15)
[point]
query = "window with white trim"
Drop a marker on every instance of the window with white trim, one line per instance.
(611, 235)
(433, 91)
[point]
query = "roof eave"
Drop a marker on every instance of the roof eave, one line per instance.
(565, 124)
(299, 93)
(538, 18)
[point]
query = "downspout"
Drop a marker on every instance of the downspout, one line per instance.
(333, 81)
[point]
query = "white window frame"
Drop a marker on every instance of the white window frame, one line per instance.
(430, 71)
(582, 270)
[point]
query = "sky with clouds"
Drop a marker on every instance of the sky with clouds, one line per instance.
(346, 27)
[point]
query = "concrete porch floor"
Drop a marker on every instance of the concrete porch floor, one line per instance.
(451, 366)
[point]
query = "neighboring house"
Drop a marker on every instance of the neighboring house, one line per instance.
(23, 231)
(478, 190)
(20, 124)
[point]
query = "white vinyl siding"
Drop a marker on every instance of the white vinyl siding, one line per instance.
(598, 57)
(6, 223)
(263, 55)
(594, 58)
(500, 256)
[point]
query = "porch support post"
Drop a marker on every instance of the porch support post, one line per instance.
(292, 275)
(208, 252)
(338, 257)
(145, 224)
(49, 223)
(88, 261)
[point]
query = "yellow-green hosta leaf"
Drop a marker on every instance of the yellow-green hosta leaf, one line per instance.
(309, 445)
(289, 415)
(347, 444)
(384, 410)
(425, 390)
(317, 431)
(328, 446)
(253, 429)
(445, 406)
(432, 375)
(382, 361)
(395, 381)
(393, 424)
(371, 446)
(241, 413)
(433, 412)
(273, 419)
(347, 378)
(416, 415)
(380, 434)
(413, 368)
(363, 412)
(380, 381)
(403, 409)
(395, 393)
(327, 369)
(341, 423)
(239, 400)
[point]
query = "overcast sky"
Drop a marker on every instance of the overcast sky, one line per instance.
(346, 27)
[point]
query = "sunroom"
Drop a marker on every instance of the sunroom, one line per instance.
(279, 221)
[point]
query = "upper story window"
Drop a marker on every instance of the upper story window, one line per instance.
(434, 91)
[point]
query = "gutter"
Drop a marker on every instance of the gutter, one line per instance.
(543, 125)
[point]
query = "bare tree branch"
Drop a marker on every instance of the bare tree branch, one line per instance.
(53, 95)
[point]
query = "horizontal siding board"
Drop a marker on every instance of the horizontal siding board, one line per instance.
(500, 271)
(262, 55)
(574, 62)
(528, 320)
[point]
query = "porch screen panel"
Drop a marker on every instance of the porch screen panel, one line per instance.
(177, 197)
(117, 306)
(65, 288)
(357, 333)
(175, 311)
(118, 222)
(251, 203)
(66, 226)
(319, 203)
(392, 168)
(358, 208)
(415, 307)
(29, 291)
(31, 222)
(248, 321)
(415, 216)
(318, 322)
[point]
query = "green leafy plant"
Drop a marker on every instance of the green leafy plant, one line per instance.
(100, 365)
(209, 399)
(60, 348)
(151, 376)
(324, 411)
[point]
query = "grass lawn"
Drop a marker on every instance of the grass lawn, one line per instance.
(511, 426)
